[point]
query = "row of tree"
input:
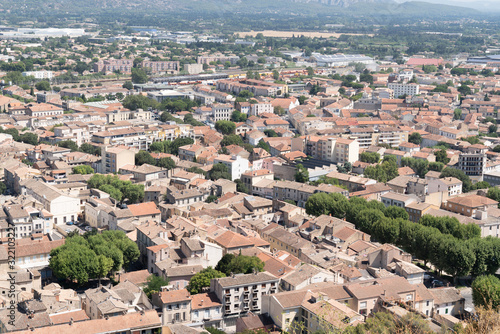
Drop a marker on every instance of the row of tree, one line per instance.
(116, 188)
(93, 256)
(458, 251)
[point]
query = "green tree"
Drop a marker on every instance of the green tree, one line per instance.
(301, 174)
(201, 280)
(211, 199)
(310, 71)
(83, 169)
(3, 188)
(457, 114)
(415, 138)
(237, 116)
(128, 85)
(134, 102)
(369, 157)
(240, 264)
(29, 138)
(231, 140)
(154, 284)
(270, 133)
(436, 166)
(68, 144)
(486, 292)
(43, 85)
(220, 171)
(167, 163)
(139, 76)
(225, 127)
(104, 266)
(90, 149)
(143, 157)
(265, 146)
(112, 191)
(302, 99)
(74, 261)
(241, 187)
(396, 212)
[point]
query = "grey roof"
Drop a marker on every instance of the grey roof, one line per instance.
(246, 279)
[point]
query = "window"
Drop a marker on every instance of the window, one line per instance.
(362, 305)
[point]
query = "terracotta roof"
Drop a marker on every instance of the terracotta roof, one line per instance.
(174, 296)
(144, 209)
(204, 300)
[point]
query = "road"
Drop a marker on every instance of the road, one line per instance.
(467, 294)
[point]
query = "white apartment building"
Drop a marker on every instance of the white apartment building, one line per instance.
(400, 89)
(338, 150)
(222, 112)
(39, 74)
(236, 164)
(260, 108)
(243, 293)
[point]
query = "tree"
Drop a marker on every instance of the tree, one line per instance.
(276, 75)
(240, 264)
(201, 280)
(144, 157)
(310, 71)
(29, 138)
(128, 85)
(369, 157)
(231, 140)
(134, 102)
(241, 187)
(74, 261)
(270, 133)
(220, 171)
(452, 172)
(154, 284)
(81, 67)
(415, 138)
(442, 156)
(112, 191)
(43, 85)
(167, 163)
(139, 76)
(237, 116)
(436, 166)
(486, 292)
(492, 128)
(464, 90)
(68, 144)
(396, 212)
(83, 169)
(225, 127)
(302, 99)
(3, 188)
(457, 113)
(263, 145)
(104, 266)
(211, 199)
(90, 149)
(302, 174)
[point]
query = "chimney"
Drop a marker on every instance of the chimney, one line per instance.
(71, 321)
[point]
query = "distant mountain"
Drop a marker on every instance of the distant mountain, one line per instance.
(343, 3)
(490, 6)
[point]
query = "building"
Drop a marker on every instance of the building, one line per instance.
(448, 300)
(39, 75)
(469, 205)
(401, 89)
(222, 112)
(114, 158)
(243, 293)
(472, 161)
(175, 306)
(236, 164)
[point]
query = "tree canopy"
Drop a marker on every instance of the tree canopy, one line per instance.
(239, 264)
(202, 279)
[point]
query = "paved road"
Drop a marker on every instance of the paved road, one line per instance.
(467, 294)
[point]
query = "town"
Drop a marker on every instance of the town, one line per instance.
(175, 182)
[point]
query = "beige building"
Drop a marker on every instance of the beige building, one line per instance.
(114, 158)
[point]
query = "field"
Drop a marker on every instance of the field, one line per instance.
(287, 34)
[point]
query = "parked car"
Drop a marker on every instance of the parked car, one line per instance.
(70, 223)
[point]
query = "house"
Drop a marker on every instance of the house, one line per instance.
(451, 185)
(144, 172)
(397, 199)
(114, 158)
(469, 204)
(305, 275)
(175, 306)
(63, 208)
(206, 311)
(448, 300)
(236, 164)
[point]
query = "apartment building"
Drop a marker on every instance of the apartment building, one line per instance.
(409, 89)
(157, 67)
(469, 205)
(243, 293)
(236, 164)
(451, 185)
(114, 65)
(260, 108)
(472, 161)
(175, 306)
(114, 158)
(370, 136)
(222, 112)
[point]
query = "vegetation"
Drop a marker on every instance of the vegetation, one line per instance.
(93, 256)
(117, 189)
(154, 284)
(201, 280)
(83, 169)
(239, 264)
